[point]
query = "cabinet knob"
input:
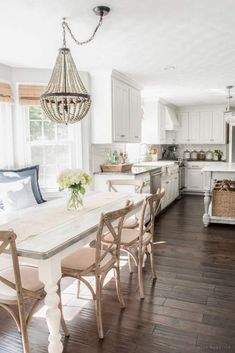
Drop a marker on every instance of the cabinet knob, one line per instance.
(122, 135)
(136, 137)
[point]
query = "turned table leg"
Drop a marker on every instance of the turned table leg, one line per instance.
(206, 217)
(49, 274)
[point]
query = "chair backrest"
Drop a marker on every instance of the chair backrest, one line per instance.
(107, 223)
(7, 241)
(137, 184)
(151, 204)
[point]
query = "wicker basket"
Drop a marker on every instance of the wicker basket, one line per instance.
(116, 167)
(223, 199)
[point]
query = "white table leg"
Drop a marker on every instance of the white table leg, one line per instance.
(49, 274)
(206, 217)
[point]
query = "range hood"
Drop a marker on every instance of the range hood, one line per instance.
(172, 122)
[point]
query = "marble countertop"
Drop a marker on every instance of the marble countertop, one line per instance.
(223, 167)
(158, 164)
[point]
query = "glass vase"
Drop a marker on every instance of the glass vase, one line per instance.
(74, 200)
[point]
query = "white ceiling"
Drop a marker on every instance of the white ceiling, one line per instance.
(139, 38)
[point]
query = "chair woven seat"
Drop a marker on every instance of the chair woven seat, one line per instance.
(29, 280)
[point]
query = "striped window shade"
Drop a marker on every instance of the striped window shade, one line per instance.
(30, 94)
(6, 93)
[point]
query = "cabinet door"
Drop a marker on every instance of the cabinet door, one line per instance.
(183, 130)
(206, 127)
(175, 186)
(135, 115)
(218, 128)
(193, 127)
(162, 122)
(194, 179)
(164, 201)
(121, 112)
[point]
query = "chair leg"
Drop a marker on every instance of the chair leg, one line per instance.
(152, 261)
(23, 328)
(98, 308)
(144, 259)
(78, 288)
(25, 340)
(130, 263)
(140, 277)
(118, 287)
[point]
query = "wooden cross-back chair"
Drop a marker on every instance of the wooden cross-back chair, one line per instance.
(138, 185)
(136, 242)
(17, 285)
(98, 262)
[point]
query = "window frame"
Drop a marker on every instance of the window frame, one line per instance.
(74, 143)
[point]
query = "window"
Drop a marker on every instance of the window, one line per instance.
(6, 136)
(53, 146)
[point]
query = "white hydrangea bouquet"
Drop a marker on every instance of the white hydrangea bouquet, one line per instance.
(75, 181)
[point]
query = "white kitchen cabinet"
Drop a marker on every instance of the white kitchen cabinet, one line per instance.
(116, 108)
(189, 127)
(194, 179)
(166, 199)
(218, 128)
(152, 123)
(171, 185)
(121, 108)
(200, 126)
(206, 121)
(158, 126)
(135, 115)
(193, 127)
(212, 127)
(183, 130)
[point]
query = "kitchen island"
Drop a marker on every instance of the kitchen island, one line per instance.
(211, 173)
(155, 174)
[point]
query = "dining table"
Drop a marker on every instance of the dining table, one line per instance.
(48, 232)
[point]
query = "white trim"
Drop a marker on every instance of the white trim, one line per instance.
(6, 136)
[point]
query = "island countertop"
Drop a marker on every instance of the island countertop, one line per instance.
(220, 167)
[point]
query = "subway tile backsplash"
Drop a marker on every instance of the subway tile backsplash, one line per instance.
(135, 151)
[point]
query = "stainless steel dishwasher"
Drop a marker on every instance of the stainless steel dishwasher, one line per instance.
(155, 180)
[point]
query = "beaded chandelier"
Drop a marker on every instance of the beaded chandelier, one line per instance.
(66, 99)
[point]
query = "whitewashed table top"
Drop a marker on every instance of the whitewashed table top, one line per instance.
(46, 229)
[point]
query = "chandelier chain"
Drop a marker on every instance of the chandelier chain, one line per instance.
(66, 26)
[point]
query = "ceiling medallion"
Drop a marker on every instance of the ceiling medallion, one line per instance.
(66, 99)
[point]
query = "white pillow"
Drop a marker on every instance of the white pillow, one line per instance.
(17, 195)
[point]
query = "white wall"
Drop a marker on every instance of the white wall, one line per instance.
(5, 73)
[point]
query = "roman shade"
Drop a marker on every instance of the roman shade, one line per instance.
(30, 94)
(6, 93)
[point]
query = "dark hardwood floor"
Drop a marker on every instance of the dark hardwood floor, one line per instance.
(189, 309)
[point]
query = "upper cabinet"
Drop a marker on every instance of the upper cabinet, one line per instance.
(116, 113)
(201, 126)
(121, 111)
(136, 115)
(159, 123)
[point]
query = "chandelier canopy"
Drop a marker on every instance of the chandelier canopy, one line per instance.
(66, 99)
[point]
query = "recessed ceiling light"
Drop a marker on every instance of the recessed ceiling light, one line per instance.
(169, 67)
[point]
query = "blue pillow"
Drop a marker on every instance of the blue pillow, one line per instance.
(8, 175)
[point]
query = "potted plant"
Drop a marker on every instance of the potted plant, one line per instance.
(219, 154)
